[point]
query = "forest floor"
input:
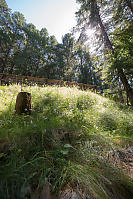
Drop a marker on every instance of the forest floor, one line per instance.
(124, 159)
(74, 145)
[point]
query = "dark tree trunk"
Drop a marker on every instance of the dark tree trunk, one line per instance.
(23, 103)
(130, 5)
(127, 87)
(4, 61)
(11, 69)
(2, 66)
(121, 73)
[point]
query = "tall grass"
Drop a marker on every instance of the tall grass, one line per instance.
(65, 141)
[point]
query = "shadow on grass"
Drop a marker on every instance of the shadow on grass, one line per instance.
(121, 125)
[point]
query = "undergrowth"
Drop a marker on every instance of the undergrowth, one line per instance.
(66, 141)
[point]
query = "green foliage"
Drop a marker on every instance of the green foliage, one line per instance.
(27, 51)
(123, 41)
(65, 141)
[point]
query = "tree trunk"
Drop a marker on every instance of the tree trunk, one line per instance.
(23, 103)
(127, 87)
(129, 4)
(4, 61)
(11, 69)
(121, 74)
(2, 66)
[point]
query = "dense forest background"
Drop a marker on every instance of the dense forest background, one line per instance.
(104, 59)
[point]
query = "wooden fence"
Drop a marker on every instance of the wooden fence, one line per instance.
(6, 79)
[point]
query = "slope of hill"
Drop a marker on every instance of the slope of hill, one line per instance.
(77, 144)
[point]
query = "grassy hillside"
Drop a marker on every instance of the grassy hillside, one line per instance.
(71, 140)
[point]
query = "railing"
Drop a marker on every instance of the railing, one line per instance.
(11, 78)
